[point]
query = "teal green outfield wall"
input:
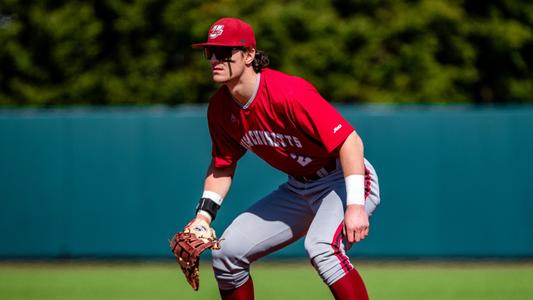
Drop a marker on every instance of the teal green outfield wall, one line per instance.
(455, 181)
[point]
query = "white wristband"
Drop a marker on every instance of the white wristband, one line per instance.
(213, 196)
(355, 189)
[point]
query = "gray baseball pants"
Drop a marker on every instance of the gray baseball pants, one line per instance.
(313, 209)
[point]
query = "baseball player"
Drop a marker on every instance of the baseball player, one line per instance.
(331, 189)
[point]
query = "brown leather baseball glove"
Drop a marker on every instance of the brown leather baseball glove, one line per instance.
(189, 244)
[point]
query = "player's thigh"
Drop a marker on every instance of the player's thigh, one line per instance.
(270, 224)
(326, 227)
(325, 231)
(372, 197)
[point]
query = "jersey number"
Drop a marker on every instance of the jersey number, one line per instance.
(302, 160)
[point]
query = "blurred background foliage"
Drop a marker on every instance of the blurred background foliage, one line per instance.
(118, 52)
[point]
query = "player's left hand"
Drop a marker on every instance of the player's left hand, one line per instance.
(356, 223)
(201, 228)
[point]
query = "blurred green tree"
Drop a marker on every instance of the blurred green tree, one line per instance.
(137, 52)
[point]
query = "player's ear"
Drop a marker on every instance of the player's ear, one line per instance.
(249, 55)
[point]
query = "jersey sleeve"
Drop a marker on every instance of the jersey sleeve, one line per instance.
(317, 117)
(225, 150)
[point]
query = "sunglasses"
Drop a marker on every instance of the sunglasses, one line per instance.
(221, 53)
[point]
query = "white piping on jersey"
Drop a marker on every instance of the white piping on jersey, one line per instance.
(251, 99)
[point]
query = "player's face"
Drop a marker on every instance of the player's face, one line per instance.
(227, 63)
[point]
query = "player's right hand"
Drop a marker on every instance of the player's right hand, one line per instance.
(356, 223)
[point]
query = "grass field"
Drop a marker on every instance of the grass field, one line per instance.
(273, 281)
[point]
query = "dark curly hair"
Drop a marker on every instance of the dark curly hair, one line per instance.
(261, 61)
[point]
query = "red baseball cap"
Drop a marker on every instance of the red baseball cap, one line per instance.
(229, 32)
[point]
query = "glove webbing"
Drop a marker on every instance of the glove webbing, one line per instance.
(187, 248)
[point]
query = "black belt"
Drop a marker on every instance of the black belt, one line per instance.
(327, 169)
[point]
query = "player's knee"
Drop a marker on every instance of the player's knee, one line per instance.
(322, 253)
(231, 256)
(316, 249)
(328, 259)
(226, 253)
(231, 268)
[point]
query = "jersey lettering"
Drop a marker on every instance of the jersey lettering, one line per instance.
(297, 142)
(258, 137)
(273, 136)
(289, 139)
(267, 138)
(279, 137)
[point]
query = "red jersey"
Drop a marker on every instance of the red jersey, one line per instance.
(288, 124)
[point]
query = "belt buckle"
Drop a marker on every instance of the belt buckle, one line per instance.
(320, 173)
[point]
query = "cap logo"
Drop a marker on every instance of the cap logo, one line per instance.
(216, 31)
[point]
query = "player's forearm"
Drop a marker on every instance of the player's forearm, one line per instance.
(216, 186)
(353, 166)
(351, 156)
(218, 180)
